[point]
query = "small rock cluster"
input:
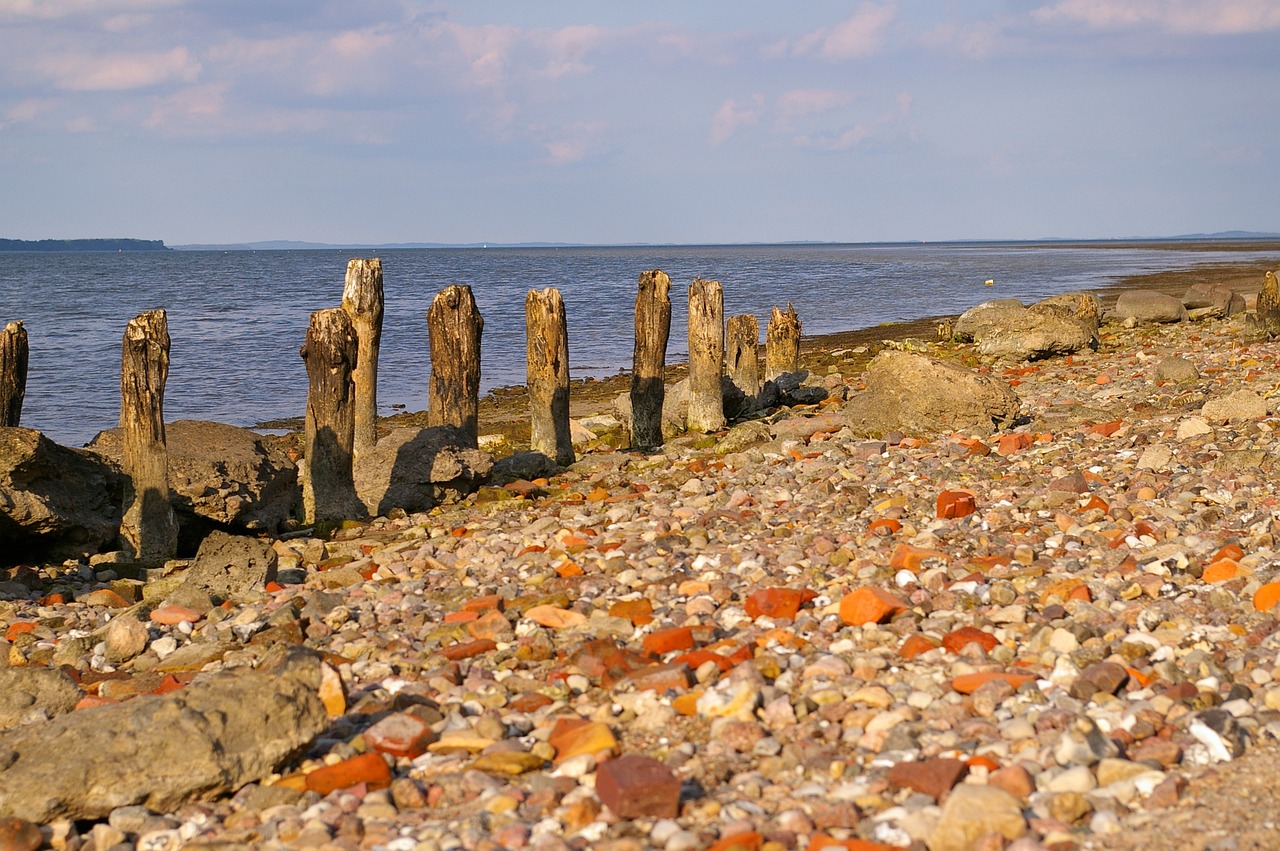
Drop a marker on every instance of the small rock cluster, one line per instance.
(792, 635)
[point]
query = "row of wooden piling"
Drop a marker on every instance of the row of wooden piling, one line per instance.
(341, 357)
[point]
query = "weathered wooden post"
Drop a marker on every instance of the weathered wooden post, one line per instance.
(744, 356)
(653, 327)
(706, 356)
(782, 343)
(454, 325)
(362, 300)
(331, 354)
(148, 529)
(13, 373)
(548, 375)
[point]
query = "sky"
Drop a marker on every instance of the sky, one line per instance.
(668, 121)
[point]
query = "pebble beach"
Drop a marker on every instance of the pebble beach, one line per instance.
(1059, 636)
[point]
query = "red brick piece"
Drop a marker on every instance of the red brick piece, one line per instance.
(636, 786)
(465, 650)
(663, 641)
(955, 504)
(957, 639)
(932, 777)
(777, 603)
(368, 768)
(914, 645)
(19, 835)
(870, 605)
(400, 734)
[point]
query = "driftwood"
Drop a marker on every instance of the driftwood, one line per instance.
(13, 373)
(653, 327)
(362, 300)
(454, 325)
(148, 529)
(743, 355)
(548, 375)
(706, 356)
(330, 353)
(782, 343)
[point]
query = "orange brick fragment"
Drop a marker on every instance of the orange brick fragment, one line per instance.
(19, 628)
(738, 842)
(485, 603)
(639, 612)
(172, 615)
(400, 734)
(1011, 443)
(1221, 571)
(955, 504)
(957, 639)
(1265, 598)
(663, 641)
(777, 603)
(969, 683)
(909, 557)
(884, 526)
(1106, 429)
(574, 736)
(916, 644)
(1231, 551)
(870, 605)
(467, 649)
(368, 768)
(1095, 502)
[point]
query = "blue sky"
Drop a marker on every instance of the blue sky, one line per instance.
(405, 120)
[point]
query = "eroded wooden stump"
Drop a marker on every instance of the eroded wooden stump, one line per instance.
(148, 529)
(331, 354)
(743, 356)
(362, 300)
(653, 328)
(782, 343)
(455, 326)
(706, 356)
(14, 353)
(548, 375)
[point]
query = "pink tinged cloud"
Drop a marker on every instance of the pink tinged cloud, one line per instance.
(856, 37)
(1183, 17)
(734, 114)
(120, 72)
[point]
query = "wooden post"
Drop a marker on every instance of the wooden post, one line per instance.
(454, 326)
(362, 300)
(744, 356)
(548, 375)
(13, 373)
(148, 530)
(782, 343)
(331, 354)
(706, 356)
(653, 327)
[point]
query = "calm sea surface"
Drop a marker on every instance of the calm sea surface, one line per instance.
(237, 318)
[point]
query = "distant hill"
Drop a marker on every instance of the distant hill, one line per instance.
(82, 245)
(295, 245)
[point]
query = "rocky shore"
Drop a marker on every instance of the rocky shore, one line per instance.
(1059, 633)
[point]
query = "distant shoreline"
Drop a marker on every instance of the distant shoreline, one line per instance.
(51, 245)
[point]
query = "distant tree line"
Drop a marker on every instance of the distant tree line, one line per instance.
(83, 245)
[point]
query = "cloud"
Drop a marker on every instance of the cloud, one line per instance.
(120, 71)
(734, 114)
(52, 10)
(568, 47)
(800, 103)
(857, 37)
(576, 143)
(1183, 17)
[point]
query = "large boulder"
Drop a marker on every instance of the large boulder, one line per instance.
(221, 477)
(1006, 329)
(219, 733)
(55, 502)
(1148, 307)
(417, 468)
(1082, 306)
(31, 695)
(226, 568)
(913, 393)
(1210, 301)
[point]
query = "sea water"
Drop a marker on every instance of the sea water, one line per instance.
(238, 318)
